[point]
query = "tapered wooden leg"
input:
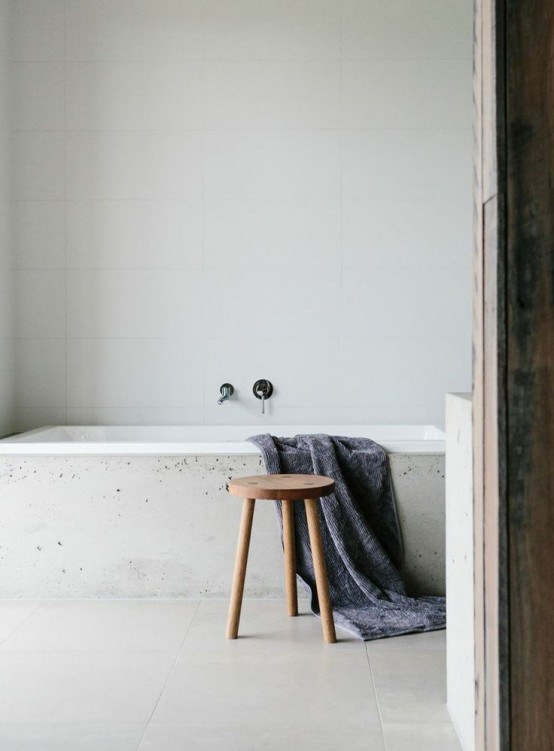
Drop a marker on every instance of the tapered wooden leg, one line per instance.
(240, 568)
(290, 557)
(320, 569)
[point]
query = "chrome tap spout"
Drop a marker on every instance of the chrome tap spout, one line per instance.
(226, 392)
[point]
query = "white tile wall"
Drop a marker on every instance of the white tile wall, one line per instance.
(133, 95)
(38, 165)
(272, 94)
(401, 29)
(223, 190)
(133, 165)
(134, 303)
(128, 373)
(265, 234)
(39, 234)
(270, 30)
(275, 165)
(133, 30)
(134, 234)
(37, 30)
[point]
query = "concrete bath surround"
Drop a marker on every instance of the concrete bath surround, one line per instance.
(139, 512)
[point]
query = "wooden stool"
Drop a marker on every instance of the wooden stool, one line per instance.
(285, 488)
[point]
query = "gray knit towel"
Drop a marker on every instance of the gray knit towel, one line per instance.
(361, 535)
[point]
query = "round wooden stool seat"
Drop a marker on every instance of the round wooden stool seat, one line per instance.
(284, 488)
(281, 487)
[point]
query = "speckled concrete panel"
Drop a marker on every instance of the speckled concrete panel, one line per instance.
(418, 481)
(108, 526)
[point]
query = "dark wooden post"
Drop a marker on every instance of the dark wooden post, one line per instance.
(514, 374)
(529, 454)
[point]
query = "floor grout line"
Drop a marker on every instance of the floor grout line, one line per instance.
(19, 625)
(376, 699)
(170, 673)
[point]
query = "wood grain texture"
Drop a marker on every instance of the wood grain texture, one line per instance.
(530, 372)
(241, 561)
(289, 550)
(320, 570)
(281, 487)
(488, 364)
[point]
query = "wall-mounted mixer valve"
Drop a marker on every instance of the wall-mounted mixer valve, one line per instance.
(263, 389)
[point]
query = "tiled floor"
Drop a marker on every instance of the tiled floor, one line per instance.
(159, 676)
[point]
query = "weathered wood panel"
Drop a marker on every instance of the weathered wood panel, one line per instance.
(487, 368)
(530, 370)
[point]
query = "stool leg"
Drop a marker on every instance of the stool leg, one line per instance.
(290, 557)
(240, 568)
(320, 572)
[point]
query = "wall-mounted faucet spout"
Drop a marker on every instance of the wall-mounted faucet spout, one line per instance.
(226, 392)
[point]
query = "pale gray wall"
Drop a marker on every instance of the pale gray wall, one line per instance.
(223, 190)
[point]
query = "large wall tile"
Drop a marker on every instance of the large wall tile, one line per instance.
(37, 30)
(407, 302)
(134, 165)
(125, 373)
(406, 93)
(133, 96)
(38, 165)
(29, 418)
(39, 234)
(407, 232)
(40, 369)
(7, 312)
(272, 165)
(407, 163)
(134, 234)
(269, 95)
(38, 95)
(273, 234)
(405, 29)
(281, 304)
(40, 303)
(133, 29)
(129, 303)
(271, 30)
(397, 370)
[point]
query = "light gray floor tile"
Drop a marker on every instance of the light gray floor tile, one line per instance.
(429, 641)
(436, 737)
(235, 681)
(105, 624)
(273, 736)
(264, 625)
(90, 687)
(84, 675)
(410, 685)
(70, 737)
(13, 613)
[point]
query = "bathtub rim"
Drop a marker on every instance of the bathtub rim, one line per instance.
(22, 444)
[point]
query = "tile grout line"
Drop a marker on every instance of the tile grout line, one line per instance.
(203, 202)
(65, 204)
(385, 744)
(171, 669)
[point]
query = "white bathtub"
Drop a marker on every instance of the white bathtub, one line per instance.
(205, 439)
(143, 511)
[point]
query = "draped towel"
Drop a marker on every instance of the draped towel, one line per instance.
(360, 531)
